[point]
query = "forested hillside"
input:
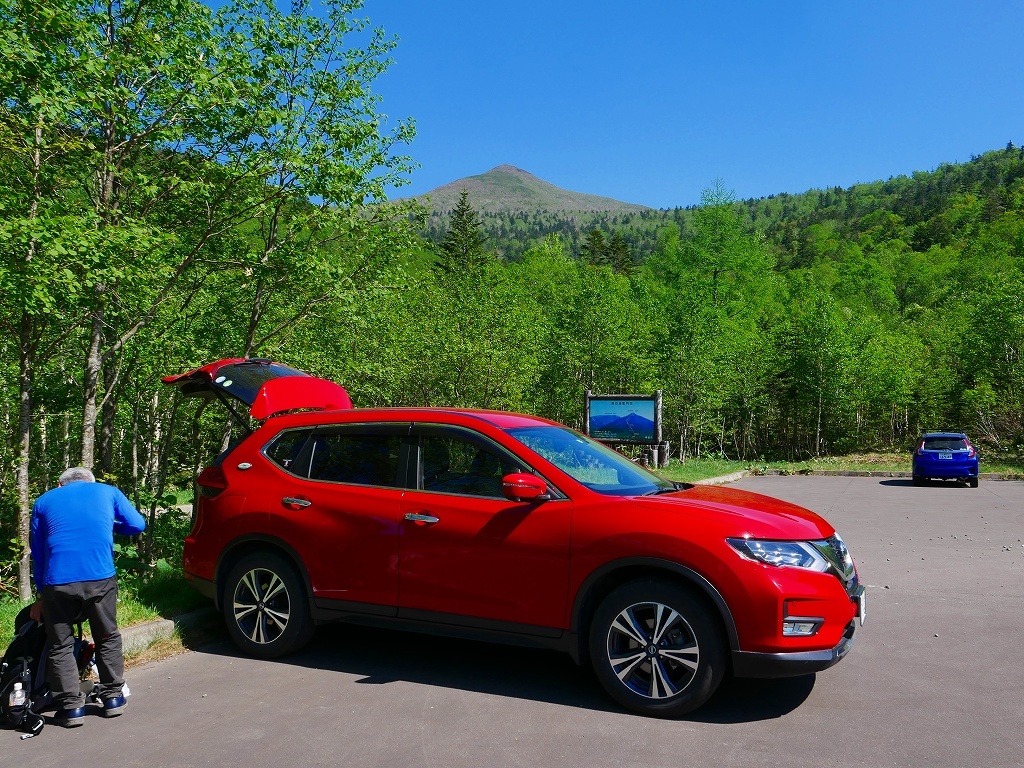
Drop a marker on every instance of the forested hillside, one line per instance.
(514, 225)
(166, 205)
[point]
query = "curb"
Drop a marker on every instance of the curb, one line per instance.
(870, 473)
(723, 479)
(138, 637)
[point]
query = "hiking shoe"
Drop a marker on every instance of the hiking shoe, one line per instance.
(69, 718)
(115, 706)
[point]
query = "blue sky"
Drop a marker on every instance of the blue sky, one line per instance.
(651, 101)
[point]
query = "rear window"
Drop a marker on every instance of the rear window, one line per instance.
(351, 457)
(945, 444)
(244, 380)
(286, 449)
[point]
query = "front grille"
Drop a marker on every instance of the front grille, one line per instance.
(834, 550)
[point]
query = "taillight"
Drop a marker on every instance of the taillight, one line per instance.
(971, 452)
(920, 449)
(212, 482)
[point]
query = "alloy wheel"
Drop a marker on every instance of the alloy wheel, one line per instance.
(653, 650)
(261, 606)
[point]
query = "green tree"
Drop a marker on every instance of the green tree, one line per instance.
(462, 248)
(595, 249)
(149, 133)
(619, 255)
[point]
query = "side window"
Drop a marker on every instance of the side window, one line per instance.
(286, 450)
(358, 458)
(454, 464)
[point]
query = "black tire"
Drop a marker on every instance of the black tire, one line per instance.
(973, 482)
(917, 480)
(265, 606)
(680, 664)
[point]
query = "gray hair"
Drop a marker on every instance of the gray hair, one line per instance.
(76, 473)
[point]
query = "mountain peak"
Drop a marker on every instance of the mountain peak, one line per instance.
(506, 168)
(506, 188)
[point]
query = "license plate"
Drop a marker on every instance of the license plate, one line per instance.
(945, 455)
(862, 606)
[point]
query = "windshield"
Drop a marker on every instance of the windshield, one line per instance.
(599, 468)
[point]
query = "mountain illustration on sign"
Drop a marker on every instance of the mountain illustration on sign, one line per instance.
(630, 425)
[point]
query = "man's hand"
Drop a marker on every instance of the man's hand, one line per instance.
(36, 611)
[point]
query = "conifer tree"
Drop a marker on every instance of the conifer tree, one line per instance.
(619, 255)
(463, 245)
(595, 249)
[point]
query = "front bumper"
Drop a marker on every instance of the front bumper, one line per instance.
(793, 664)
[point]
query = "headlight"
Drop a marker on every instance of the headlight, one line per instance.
(795, 554)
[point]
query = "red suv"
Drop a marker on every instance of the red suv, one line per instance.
(508, 528)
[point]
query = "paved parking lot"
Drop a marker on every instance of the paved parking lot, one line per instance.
(935, 678)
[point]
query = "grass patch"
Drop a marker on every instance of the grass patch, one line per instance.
(166, 592)
(8, 611)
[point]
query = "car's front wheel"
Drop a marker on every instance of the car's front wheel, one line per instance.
(265, 606)
(656, 648)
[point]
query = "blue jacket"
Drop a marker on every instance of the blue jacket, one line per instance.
(72, 534)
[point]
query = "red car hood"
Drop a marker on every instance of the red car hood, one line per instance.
(753, 514)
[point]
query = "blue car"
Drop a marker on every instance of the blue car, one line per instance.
(945, 456)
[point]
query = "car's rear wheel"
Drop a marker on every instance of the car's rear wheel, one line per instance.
(656, 648)
(265, 606)
(917, 480)
(973, 482)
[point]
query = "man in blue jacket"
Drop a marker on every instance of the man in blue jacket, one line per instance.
(72, 541)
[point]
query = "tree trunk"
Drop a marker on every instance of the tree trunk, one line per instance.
(44, 458)
(108, 411)
(161, 473)
(24, 442)
(26, 365)
(149, 470)
(817, 433)
(135, 451)
(66, 463)
(90, 386)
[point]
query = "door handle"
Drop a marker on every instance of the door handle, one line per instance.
(295, 503)
(419, 517)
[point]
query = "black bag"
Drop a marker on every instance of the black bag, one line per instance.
(23, 662)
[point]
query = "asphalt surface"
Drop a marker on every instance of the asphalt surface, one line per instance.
(934, 679)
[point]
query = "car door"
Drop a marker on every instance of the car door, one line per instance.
(468, 555)
(340, 511)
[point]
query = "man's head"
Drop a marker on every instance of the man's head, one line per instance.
(74, 474)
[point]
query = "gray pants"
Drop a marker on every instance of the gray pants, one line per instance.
(65, 605)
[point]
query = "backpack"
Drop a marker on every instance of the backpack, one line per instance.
(24, 662)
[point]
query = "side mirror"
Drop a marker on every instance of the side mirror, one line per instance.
(522, 486)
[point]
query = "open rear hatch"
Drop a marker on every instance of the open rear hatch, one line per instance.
(263, 386)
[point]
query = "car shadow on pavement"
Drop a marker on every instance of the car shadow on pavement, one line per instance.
(907, 483)
(381, 656)
(746, 700)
